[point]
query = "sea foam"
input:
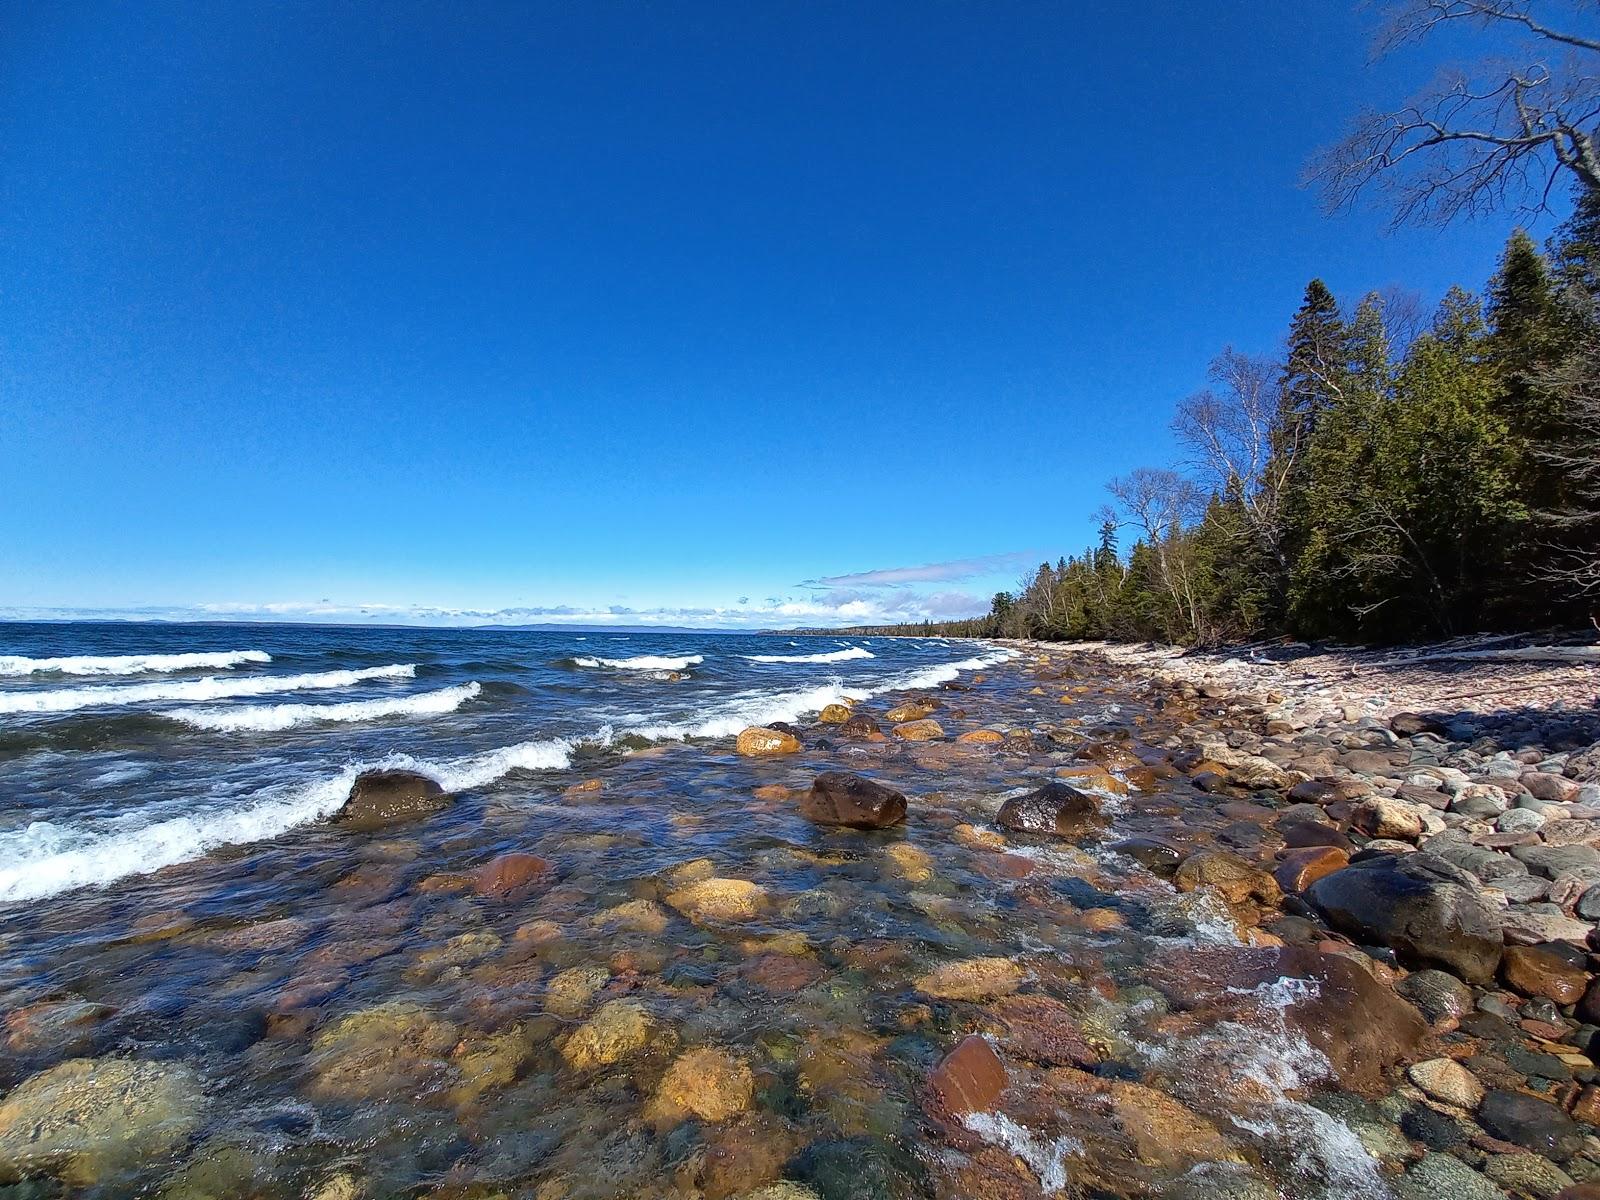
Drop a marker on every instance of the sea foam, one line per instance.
(129, 664)
(269, 718)
(210, 688)
(831, 657)
(644, 662)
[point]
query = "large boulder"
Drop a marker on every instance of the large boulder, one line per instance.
(1430, 913)
(761, 742)
(1361, 1027)
(379, 799)
(86, 1119)
(841, 798)
(1054, 809)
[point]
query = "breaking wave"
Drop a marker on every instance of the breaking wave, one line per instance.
(830, 657)
(129, 664)
(269, 718)
(644, 662)
(210, 688)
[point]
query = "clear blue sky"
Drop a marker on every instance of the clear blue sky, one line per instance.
(674, 309)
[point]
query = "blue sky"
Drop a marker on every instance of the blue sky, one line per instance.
(759, 314)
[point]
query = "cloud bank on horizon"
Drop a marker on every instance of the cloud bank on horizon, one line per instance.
(883, 596)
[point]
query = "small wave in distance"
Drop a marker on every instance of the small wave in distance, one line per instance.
(129, 664)
(212, 687)
(270, 718)
(832, 656)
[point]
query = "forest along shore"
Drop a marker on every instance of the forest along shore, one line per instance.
(1434, 815)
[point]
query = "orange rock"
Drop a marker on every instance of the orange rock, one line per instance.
(918, 731)
(1534, 971)
(982, 737)
(1300, 868)
(969, 1079)
(1103, 920)
(772, 791)
(508, 875)
(757, 742)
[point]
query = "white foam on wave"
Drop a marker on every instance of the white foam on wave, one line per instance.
(129, 664)
(643, 662)
(831, 657)
(212, 687)
(269, 718)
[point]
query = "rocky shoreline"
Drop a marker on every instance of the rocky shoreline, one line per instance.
(1099, 922)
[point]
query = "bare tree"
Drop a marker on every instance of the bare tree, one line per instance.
(1499, 133)
(1229, 429)
(1159, 502)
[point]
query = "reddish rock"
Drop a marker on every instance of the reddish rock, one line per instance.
(841, 798)
(1300, 868)
(782, 974)
(1535, 971)
(1542, 785)
(969, 1079)
(508, 875)
(1043, 1031)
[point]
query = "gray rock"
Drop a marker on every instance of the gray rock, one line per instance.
(1523, 889)
(1530, 1174)
(1519, 820)
(1444, 1177)
(1438, 994)
(1529, 1122)
(1430, 912)
(1589, 904)
(1551, 861)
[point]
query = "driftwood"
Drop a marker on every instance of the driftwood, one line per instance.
(1552, 654)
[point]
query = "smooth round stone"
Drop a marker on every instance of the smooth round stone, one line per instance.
(1589, 904)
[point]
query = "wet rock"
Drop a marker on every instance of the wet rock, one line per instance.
(1448, 1082)
(842, 798)
(1438, 994)
(1409, 724)
(719, 901)
(1529, 1122)
(619, 1030)
(911, 710)
(1444, 1177)
(1298, 869)
(834, 714)
(380, 799)
(1235, 880)
(708, 1084)
(1044, 1031)
(1536, 971)
(1153, 854)
(1526, 1174)
(982, 737)
(972, 979)
(1426, 910)
(760, 742)
(1054, 809)
(509, 876)
(969, 1079)
(782, 1190)
(1315, 791)
(569, 993)
(918, 731)
(860, 725)
(377, 1052)
(86, 1119)
(1358, 1023)
(909, 862)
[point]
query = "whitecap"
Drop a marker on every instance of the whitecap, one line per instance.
(129, 664)
(268, 718)
(212, 687)
(1047, 1159)
(643, 662)
(831, 657)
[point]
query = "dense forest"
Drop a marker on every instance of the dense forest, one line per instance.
(1389, 476)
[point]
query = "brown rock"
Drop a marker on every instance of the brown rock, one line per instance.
(507, 876)
(1298, 869)
(1542, 785)
(1054, 809)
(834, 714)
(1385, 817)
(982, 737)
(841, 798)
(918, 731)
(972, 979)
(911, 710)
(1044, 1031)
(709, 1084)
(379, 799)
(1231, 877)
(758, 742)
(969, 1079)
(859, 725)
(1536, 971)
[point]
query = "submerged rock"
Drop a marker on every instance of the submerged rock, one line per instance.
(972, 979)
(969, 1079)
(620, 1029)
(719, 900)
(508, 876)
(1054, 809)
(841, 798)
(918, 731)
(379, 799)
(87, 1118)
(709, 1084)
(1429, 912)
